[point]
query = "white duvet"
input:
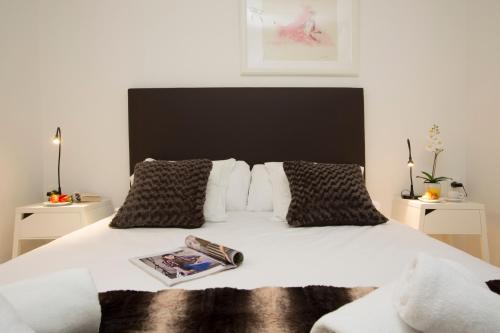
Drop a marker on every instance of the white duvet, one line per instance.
(275, 254)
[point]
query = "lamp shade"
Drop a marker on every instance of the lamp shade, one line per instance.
(56, 139)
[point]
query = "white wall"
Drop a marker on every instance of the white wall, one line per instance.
(483, 117)
(20, 147)
(70, 63)
(413, 60)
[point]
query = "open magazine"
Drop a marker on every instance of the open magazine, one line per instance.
(198, 258)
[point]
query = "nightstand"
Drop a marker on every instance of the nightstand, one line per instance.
(446, 218)
(39, 222)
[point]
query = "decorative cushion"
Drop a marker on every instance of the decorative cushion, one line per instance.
(329, 194)
(165, 194)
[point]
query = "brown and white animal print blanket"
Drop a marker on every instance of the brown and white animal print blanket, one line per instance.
(221, 310)
(225, 310)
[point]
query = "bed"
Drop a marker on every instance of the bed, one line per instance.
(337, 256)
(255, 125)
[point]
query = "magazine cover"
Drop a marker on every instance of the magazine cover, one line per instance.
(198, 258)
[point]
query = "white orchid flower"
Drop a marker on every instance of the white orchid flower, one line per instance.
(429, 147)
(436, 147)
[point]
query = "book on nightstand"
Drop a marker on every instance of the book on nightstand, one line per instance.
(87, 197)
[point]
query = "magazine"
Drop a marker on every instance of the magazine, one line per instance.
(198, 258)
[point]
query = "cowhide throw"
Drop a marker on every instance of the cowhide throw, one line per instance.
(329, 194)
(494, 286)
(222, 310)
(165, 194)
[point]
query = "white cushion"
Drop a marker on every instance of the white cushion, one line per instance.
(441, 296)
(237, 190)
(214, 208)
(10, 322)
(60, 302)
(281, 190)
(371, 313)
(260, 194)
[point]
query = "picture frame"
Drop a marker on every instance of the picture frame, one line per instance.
(299, 37)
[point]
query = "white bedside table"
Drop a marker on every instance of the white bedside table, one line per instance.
(446, 218)
(39, 222)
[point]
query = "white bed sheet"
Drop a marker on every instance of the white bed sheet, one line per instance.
(275, 254)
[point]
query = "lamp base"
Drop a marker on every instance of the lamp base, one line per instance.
(409, 197)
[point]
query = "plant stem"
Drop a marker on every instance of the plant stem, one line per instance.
(434, 165)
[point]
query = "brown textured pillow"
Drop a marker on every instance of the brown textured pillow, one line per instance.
(329, 194)
(165, 194)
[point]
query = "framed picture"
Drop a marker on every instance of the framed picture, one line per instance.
(300, 37)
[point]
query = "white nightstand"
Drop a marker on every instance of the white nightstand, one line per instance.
(38, 222)
(447, 218)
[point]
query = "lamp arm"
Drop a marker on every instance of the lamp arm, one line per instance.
(409, 149)
(58, 133)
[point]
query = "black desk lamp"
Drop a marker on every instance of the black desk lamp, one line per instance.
(57, 140)
(410, 165)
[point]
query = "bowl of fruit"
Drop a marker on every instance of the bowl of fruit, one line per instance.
(56, 199)
(432, 193)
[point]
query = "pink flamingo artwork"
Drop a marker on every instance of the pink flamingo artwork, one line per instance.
(304, 30)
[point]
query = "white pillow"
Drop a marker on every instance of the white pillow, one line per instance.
(214, 208)
(281, 190)
(260, 194)
(237, 190)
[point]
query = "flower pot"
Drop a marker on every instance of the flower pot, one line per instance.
(432, 191)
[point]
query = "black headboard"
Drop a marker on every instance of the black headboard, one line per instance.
(251, 124)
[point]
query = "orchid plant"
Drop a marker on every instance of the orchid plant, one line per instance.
(436, 147)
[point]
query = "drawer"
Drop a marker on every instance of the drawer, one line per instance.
(452, 222)
(40, 225)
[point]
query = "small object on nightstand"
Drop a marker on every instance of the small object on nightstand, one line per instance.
(455, 194)
(445, 218)
(87, 197)
(41, 223)
(55, 199)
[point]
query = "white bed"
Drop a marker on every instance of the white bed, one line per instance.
(275, 254)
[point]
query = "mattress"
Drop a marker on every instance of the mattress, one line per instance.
(275, 254)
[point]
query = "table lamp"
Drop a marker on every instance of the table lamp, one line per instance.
(410, 195)
(57, 140)
(410, 165)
